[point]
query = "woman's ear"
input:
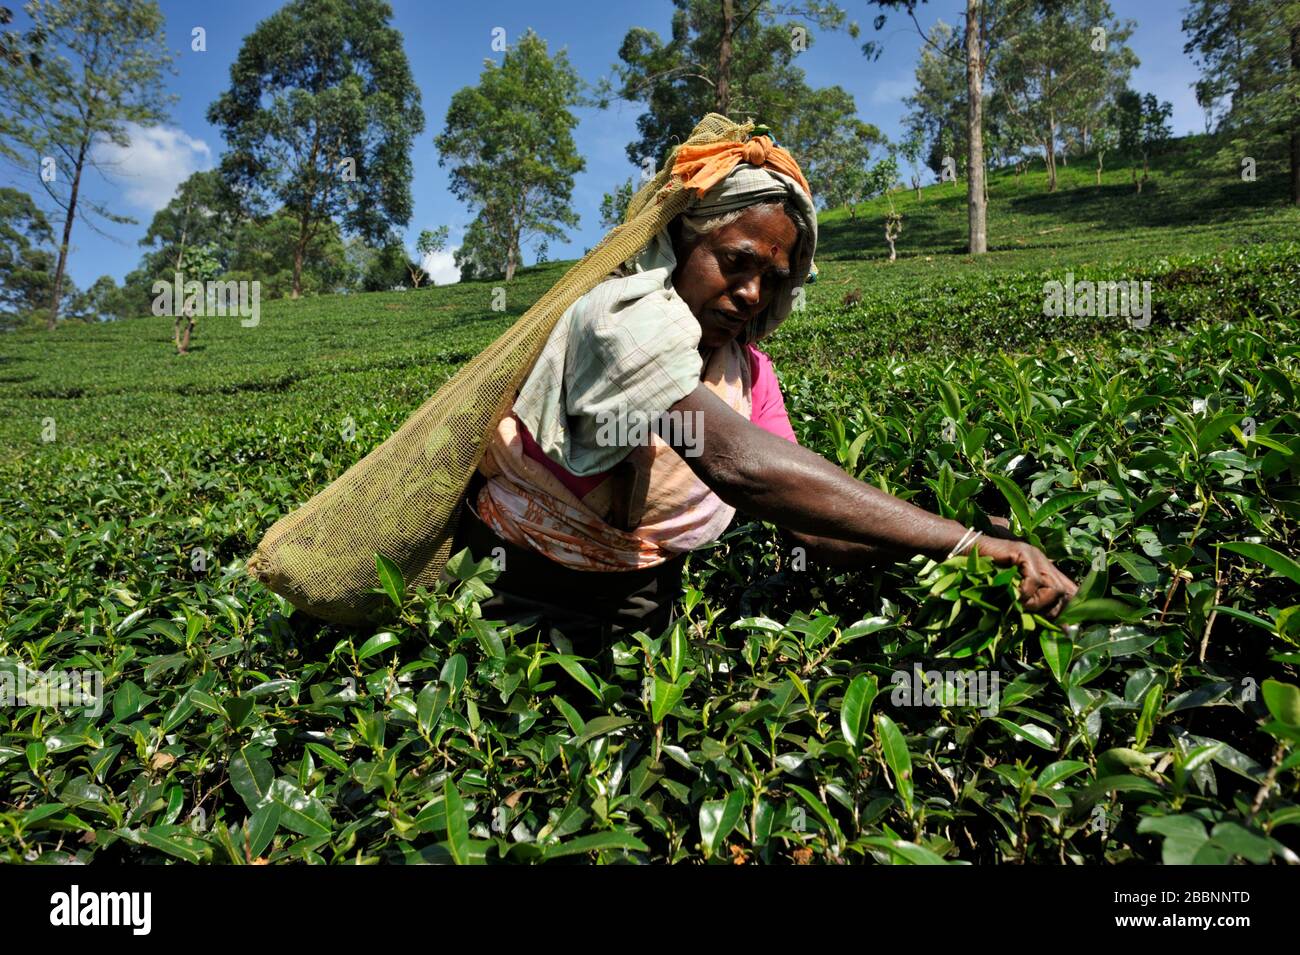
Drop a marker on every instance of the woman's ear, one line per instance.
(675, 236)
(680, 251)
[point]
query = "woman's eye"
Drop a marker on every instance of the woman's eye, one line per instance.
(741, 263)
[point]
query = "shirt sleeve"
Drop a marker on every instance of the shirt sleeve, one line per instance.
(767, 408)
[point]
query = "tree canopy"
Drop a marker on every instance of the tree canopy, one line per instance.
(509, 143)
(319, 119)
(83, 73)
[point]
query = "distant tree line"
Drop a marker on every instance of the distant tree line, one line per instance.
(312, 192)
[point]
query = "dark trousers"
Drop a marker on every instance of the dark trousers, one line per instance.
(590, 609)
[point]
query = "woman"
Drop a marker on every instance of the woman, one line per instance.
(592, 515)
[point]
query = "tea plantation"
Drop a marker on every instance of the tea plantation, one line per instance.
(796, 713)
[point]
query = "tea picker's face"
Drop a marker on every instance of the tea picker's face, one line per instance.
(730, 275)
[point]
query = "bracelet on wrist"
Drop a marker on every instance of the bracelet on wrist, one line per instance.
(967, 539)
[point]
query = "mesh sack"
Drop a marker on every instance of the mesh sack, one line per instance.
(402, 499)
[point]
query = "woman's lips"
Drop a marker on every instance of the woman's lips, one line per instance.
(730, 321)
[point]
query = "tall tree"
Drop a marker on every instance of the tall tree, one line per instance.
(1052, 70)
(202, 212)
(91, 68)
(1142, 126)
(734, 57)
(478, 255)
(829, 141)
(911, 148)
(264, 249)
(937, 104)
(388, 268)
(319, 119)
(1105, 136)
(509, 142)
(101, 302)
(26, 262)
(846, 176)
(1250, 54)
(613, 205)
(976, 195)
(428, 242)
(988, 25)
(963, 103)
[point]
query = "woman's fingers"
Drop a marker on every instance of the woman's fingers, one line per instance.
(1044, 588)
(1035, 595)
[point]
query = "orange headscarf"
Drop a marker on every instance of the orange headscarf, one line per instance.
(702, 167)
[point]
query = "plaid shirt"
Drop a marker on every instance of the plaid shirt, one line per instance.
(626, 349)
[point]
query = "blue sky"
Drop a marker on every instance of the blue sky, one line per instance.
(447, 43)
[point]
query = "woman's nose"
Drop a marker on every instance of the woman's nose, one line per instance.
(751, 291)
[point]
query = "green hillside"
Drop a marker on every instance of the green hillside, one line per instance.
(375, 353)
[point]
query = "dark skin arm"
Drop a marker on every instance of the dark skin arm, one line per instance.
(846, 519)
(841, 553)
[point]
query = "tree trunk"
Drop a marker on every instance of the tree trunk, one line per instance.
(304, 219)
(182, 338)
(185, 231)
(1295, 122)
(976, 199)
(1051, 151)
(299, 252)
(62, 267)
(722, 93)
(1100, 153)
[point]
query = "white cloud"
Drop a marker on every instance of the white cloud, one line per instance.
(158, 159)
(441, 268)
(887, 92)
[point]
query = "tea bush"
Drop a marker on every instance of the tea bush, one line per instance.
(1158, 720)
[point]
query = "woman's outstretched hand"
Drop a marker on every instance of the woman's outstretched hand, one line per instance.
(1043, 588)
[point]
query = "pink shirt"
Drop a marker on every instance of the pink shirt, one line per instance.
(767, 411)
